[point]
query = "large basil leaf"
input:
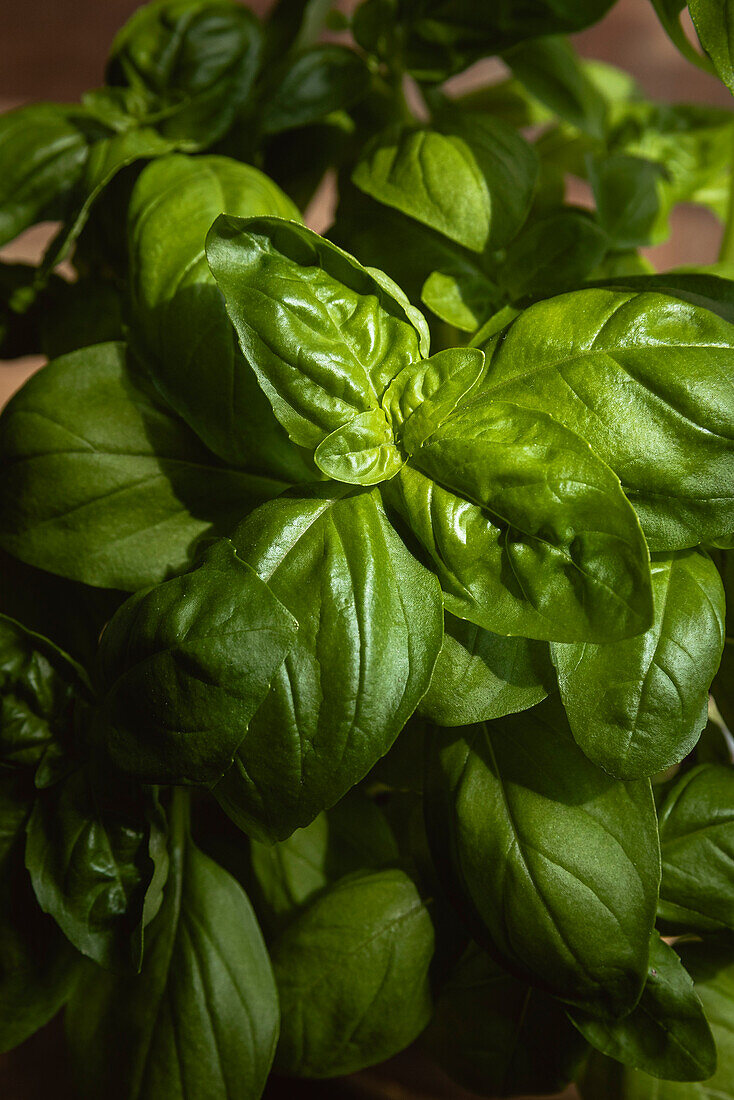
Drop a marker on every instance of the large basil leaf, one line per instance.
(723, 685)
(351, 836)
(638, 706)
(711, 967)
(701, 288)
(556, 550)
(43, 149)
(97, 859)
(472, 183)
(352, 975)
(188, 64)
(102, 484)
(316, 82)
(697, 845)
(201, 1019)
(178, 314)
(498, 1036)
(556, 863)
(714, 23)
(325, 336)
(370, 624)
(666, 1034)
(479, 676)
(645, 379)
(184, 667)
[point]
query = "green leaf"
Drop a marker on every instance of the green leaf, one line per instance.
(184, 667)
(352, 975)
(316, 82)
(361, 452)
(552, 71)
(714, 23)
(370, 628)
(351, 836)
(644, 378)
(498, 1036)
(43, 149)
(102, 484)
(471, 179)
(628, 191)
(557, 552)
(479, 676)
(324, 335)
(669, 14)
(179, 316)
(556, 864)
(201, 1019)
(697, 845)
(551, 255)
(425, 394)
(189, 64)
(638, 706)
(666, 1034)
(97, 859)
(701, 288)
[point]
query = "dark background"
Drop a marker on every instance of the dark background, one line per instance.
(55, 49)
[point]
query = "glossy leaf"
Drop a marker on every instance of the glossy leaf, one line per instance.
(352, 975)
(191, 1020)
(479, 676)
(370, 628)
(556, 864)
(325, 336)
(361, 452)
(424, 395)
(704, 288)
(714, 23)
(666, 1034)
(179, 315)
(697, 845)
(497, 1036)
(316, 82)
(102, 484)
(638, 706)
(644, 379)
(184, 667)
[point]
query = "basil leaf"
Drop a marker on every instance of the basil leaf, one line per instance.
(551, 255)
(370, 628)
(697, 845)
(552, 71)
(714, 23)
(556, 863)
(43, 149)
(189, 64)
(700, 288)
(351, 836)
(104, 485)
(638, 706)
(179, 316)
(316, 82)
(666, 1034)
(425, 394)
(325, 336)
(669, 13)
(479, 676)
(569, 557)
(361, 452)
(628, 192)
(472, 182)
(184, 667)
(486, 1021)
(352, 975)
(644, 379)
(97, 860)
(191, 1023)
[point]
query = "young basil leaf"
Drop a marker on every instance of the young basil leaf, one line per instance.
(201, 1019)
(43, 149)
(643, 378)
(352, 976)
(316, 82)
(552, 71)
(425, 394)
(666, 1034)
(630, 202)
(190, 64)
(569, 558)
(638, 706)
(370, 628)
(97, 859)
(479, 676)
(556, 863)
(485, 1024)
(714, 23)
(352, 836)
(362, 451)
(184, 667)
(697, 845)
(325, 336)
(102, 483)
(552, 255)
(179, 316)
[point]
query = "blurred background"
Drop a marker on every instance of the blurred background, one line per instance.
(56, 49)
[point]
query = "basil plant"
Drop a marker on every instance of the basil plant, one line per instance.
(364, 661)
